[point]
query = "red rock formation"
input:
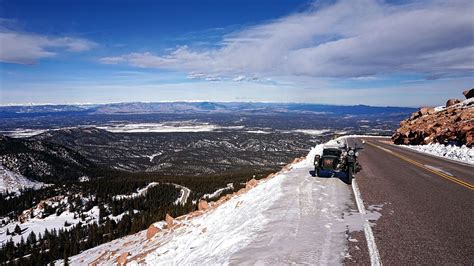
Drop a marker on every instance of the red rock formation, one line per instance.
(169, 221)
(122, 259)
(251, 183)
(203, 205)
(152, 231)
(453, 124)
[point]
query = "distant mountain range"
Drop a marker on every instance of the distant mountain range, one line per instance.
(197, 108)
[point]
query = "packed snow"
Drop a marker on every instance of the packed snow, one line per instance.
(462, 154)
(292, 217)
(14, 182)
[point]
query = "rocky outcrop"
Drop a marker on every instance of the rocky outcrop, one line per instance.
(451, 102)
(169, 221)
(122, 259)
(452, 124)
(152, 231)
(251, 183)
(468, 93)
(203, 205)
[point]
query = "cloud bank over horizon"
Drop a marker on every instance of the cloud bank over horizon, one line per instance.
(348, 39)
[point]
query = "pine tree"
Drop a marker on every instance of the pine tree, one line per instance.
(17, 230)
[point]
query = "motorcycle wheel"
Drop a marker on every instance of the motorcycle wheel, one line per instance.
(349, 175)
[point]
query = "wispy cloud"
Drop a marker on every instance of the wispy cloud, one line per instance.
(356, 38)
(27, 48)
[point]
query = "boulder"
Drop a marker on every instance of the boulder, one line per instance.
(251, 183)
(203, 205)
(424, 111)
(152, 231)
(451, 102)
(122, 259)
(468, 93)
(169, 221)
(469, 139)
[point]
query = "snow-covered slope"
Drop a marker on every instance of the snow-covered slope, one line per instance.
(15, 182)
(290, 217)
(33, 220)
(462, 154)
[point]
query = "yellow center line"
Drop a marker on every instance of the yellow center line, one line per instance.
(448, 177)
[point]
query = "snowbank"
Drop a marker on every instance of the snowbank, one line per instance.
(461, 154)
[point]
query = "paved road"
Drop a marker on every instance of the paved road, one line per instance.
(426, 205)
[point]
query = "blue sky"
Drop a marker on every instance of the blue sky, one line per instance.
(403, 53)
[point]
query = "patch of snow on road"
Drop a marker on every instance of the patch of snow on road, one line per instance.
(218, 192)
(184, 195)
(140, 192)
(151, 157)
(461, 154)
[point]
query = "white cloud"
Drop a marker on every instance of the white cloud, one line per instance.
(28, 48)
(359, 38)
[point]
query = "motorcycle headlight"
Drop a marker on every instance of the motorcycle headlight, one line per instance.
(351, 152)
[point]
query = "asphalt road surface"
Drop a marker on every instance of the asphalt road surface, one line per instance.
(426, 205)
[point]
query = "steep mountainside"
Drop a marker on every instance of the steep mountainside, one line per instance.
(12, 182)
(42, 161)
(449, 124)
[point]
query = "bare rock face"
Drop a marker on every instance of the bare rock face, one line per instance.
(203, 205)
(152, 231)
(468, 93)
(453, 124)
(122, 259)
(451, 102)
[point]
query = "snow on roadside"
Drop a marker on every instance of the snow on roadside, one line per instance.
(461, 154)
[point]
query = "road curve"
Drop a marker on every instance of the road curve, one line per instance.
(425, 202)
